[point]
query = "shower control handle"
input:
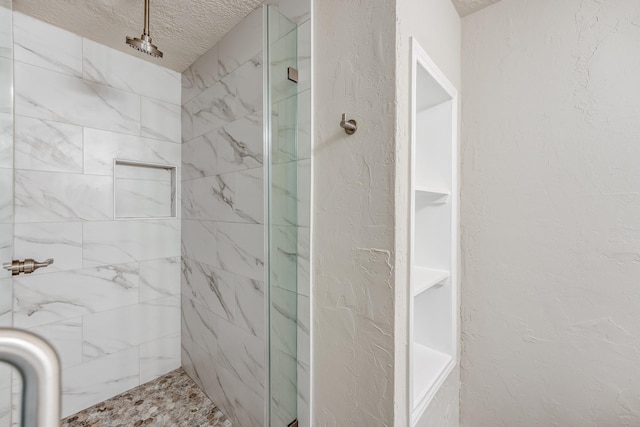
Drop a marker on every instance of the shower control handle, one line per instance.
(27, 266)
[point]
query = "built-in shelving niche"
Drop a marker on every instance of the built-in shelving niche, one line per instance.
(433, 305)
(144, 190)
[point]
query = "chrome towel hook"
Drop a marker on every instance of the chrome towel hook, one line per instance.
(350, 126)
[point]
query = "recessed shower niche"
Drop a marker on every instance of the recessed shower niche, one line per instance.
(144, 190)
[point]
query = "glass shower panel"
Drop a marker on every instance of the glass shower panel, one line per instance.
(282, 189)
(6, 193)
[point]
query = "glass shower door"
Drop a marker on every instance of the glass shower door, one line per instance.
(282, 225)
(6, 194)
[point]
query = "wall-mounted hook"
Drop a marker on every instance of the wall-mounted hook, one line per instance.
(350, 126)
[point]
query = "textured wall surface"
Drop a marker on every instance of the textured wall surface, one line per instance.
(109, 304)
(550, 214)
(440, 37)
(183, 30)
(353, 297)
(466, 7)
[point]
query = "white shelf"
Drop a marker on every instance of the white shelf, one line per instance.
(427, 278)
(428, 367)
(432, 195)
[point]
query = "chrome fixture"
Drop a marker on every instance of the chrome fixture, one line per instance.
(27, 266)
(144, 44)
(39, 367)
(350, 126)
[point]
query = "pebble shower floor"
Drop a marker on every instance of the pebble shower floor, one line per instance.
(171, 400)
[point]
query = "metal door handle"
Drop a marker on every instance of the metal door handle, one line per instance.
(27, 266)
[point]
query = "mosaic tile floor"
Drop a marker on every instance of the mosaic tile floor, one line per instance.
(171, 400)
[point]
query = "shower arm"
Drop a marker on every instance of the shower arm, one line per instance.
(146, 17)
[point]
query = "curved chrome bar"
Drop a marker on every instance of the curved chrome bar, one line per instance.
(39, 367)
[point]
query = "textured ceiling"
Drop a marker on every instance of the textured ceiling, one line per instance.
(465, 7)
(182, 29)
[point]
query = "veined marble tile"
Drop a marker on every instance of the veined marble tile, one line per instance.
(59, 240)
(279, 23)
(243, 355)
(45, 94)
(242, 43)
(304, 124)
(159, 278)
(5, 407)
(48, 298)
(90, 383)
(6, 303)
(291, 193)
(304, 330)
(284, 389)
(210, 287)
(101, 147)
(52, 196)
(284, 130)
(44, 45)
(232, 197)
(304, 54)
(238, 402)
(304, 395)
(304, 268)
(113, 68)
(138, 198)
(235, 96)
(200, 241)
(284, 257)
(233, 147)
(121, 328)
(6, 29)
(5, 400)
(66, 339)
(6, 247)
(47, 146)
(161, 120)
(296, 10)
(6, 196)
(6, 140)
(6, 93)
(284, 319)
(115, 242)
(241, 249)
(199, 328)
(283, 54)
(304, 193)
(250, 306)
(159, 357)
(200, 75)
(284, 193)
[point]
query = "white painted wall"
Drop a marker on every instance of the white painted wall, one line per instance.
(436, 26)
(550, 201)
(352, 332)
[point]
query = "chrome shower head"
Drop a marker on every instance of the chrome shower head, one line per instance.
(144, 44)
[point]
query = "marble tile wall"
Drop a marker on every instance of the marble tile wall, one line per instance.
(110, 304)
(223, 299)
(6, 194)
(294, 158)
(223, 296)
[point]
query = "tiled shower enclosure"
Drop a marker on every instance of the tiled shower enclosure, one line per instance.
(148, 189)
